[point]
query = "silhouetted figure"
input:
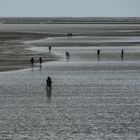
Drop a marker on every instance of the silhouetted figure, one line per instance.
(40, 60)
(98, 54)
(67, 55)
(69, 34)
(48, 82)
(122, 54)
(50, 49)
(32, 61)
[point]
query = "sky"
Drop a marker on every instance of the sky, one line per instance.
(69, 8)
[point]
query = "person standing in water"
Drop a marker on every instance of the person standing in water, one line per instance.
(122, 54)
(40, 60)
(32, 61)
(49, 82)
(98, 54)
(67, 55)
(50, 49)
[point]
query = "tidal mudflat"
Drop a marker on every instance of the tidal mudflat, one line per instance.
(91, 98)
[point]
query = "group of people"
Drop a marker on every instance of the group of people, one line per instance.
(48, 81)
(98, 54)
(69, 34)
(33, 60)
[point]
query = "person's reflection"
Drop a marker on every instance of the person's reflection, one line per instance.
(49, 93)
(98, 58)
(40, 68)
(32, 69)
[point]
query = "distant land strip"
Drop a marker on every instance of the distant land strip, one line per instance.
(68, 20)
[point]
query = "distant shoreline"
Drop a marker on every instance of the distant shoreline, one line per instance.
(79, 23)
(70, 20)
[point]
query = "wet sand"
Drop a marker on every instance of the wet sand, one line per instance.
(14, 52)
(91, 98)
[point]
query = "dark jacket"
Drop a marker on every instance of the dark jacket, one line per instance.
(49, 82)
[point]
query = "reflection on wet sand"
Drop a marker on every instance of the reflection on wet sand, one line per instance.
(49, 92)
(40, 68)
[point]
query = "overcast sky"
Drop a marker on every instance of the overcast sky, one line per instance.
(69, 8)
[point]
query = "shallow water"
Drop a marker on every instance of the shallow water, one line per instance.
(90, 99)
(74, 28)
(89, 53)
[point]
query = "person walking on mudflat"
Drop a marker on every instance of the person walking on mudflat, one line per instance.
(67, 55)
(48, 82)
(98, 52)
(122, 54)
(50, 49)
(40, 60)
(32, 61)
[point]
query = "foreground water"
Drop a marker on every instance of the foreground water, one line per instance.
(90, 99)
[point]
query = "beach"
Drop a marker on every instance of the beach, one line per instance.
(17, 38)
(91, 98)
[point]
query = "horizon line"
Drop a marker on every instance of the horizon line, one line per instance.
(69, 17)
